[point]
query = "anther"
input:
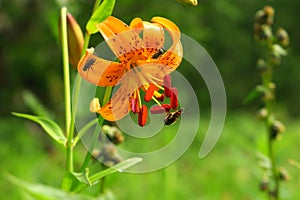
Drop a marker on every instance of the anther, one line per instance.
(167, 86)
(174, 98)
(149, 92)
(143, 115)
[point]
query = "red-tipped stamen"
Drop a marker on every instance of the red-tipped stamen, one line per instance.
(167, 86)
(167, 107)
(143, 115)
(149, 92)
(135, 106)
(174, 98)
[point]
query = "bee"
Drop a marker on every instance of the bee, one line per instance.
(158, 53)
(172, 117)
(89, 64)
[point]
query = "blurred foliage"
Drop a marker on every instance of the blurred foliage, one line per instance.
(30, 53)
(30, 59)
(229, 172)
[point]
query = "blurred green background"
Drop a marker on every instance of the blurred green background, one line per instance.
(30, 60)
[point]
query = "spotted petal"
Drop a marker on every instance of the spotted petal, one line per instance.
(170, 27)
(99, 71)
(120, 37)
(172, 58)
(119, 105)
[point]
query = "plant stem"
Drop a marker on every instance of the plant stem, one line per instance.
(269, 105)
(67, 89)
(95, 137)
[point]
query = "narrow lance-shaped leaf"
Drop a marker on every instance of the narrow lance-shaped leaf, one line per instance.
(50, 127)
(116, 168)
(44, 192)
(258, 90)
(100, 14)
(94, 179)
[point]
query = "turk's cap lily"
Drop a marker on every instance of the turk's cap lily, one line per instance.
(143, 66)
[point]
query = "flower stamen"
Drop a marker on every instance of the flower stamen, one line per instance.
(143, 116)
(167, 86)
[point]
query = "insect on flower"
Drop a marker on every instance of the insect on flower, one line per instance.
(89, 65)
(172, 117)
(143, 66)
(159, 53)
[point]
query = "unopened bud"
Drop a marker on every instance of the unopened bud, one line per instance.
(262, 32)
(276, 129)
(282, 37)
(269, 11)
(272, 86)
(262, 113)
(113, 134)
(264, 184)
(75, 40)
(265, 16)
(189, 2)
(284, 175)
(261, 65)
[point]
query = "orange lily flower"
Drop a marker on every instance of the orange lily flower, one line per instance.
(143, 65)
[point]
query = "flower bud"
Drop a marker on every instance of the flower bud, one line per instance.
(282, 37)
(269, 11)
(283, 174)
(262, 32)
(276, 129)
(261, 65)
(75, 40)
(264, 184)
(110, 155)
(277, 52)
(262, 113)
(189, 2)
(113, 134)
(265, 16)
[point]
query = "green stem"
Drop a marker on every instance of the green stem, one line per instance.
(269, 105)
(95, 137)
(67, 89)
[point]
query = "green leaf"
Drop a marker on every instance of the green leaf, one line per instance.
(44, 192)
(32, 102)
(94, 179)
(73, 180)
(49, 126)
(100, 14)
(116, 168)
(254, 94)
(83, 177)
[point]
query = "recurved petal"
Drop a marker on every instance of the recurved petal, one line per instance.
(172, 58)
(170, 27)
(99, 71)
(137, 25)
(153, 35)
(119, 36)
